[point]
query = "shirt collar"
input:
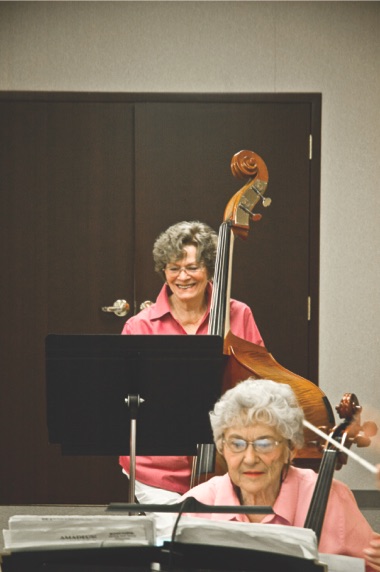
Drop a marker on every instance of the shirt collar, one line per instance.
(162, 306)
(225, 496)
(284, 507)
(286, 502)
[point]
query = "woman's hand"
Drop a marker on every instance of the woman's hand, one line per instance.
(372, 553)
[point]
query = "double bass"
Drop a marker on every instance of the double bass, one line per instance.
(246, 359)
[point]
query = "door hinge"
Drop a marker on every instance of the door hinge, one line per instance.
(310, 146)
(308, 308)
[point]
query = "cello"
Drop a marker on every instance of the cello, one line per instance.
(347, 433)
(246, 359)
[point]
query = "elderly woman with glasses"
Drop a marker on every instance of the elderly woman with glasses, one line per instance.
(258, 427)
(184, 255)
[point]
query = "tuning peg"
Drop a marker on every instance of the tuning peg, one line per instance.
(265, 200)
(255, 217)
(369, 428)
(362, 441)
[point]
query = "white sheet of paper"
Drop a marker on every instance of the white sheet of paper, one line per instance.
(27, 532)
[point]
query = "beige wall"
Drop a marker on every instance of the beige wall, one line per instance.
(327, 47)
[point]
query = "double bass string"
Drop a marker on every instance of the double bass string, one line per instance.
(341, 447)
(219, 311)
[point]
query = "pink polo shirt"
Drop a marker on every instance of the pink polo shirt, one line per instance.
(173, 473)
(345, 530)
(158, 319)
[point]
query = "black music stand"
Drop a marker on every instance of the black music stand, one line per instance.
(98, 385)
(179, 557)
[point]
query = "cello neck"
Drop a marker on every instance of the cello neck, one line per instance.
(219, 323)
(348, 432)
(318, 503)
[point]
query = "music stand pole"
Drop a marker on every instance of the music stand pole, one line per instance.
(133, 402)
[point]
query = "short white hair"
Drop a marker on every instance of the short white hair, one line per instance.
(259, 401)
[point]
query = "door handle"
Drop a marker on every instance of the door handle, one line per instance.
(119, 308)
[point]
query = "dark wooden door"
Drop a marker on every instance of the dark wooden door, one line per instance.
(86, 184)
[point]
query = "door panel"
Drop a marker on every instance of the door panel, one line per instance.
(67, 223)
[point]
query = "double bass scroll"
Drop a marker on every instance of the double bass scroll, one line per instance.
(237, 216)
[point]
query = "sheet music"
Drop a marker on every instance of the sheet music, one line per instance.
(49, 532)
(28, 532)
(288, 540)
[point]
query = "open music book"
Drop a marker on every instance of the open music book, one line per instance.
(274, 538)
(289, 540)
(57, 532)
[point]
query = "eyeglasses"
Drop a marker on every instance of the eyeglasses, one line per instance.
(262, 446)
(191, 270)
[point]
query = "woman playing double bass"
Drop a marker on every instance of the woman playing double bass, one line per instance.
(184, 255)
